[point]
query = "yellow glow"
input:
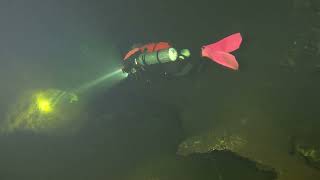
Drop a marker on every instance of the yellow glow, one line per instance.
(44, 105)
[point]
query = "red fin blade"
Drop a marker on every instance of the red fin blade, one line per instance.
(219, 52)
(223, 58)
(228, 44)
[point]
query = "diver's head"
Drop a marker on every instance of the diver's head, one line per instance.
(184, 53)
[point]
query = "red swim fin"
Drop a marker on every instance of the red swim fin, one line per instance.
(225, 59)
(219, 52)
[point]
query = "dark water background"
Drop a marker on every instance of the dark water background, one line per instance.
(133, 131)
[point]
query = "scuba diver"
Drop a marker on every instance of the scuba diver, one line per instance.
(144, 61)
(156, 58)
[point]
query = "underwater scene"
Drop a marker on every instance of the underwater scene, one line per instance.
(159, 90)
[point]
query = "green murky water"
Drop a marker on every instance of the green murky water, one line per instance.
(131, 130)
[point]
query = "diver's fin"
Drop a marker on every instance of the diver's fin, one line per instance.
(226, 59)
(228, 44)
(219, 52)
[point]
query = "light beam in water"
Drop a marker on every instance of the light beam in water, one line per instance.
(109, 78)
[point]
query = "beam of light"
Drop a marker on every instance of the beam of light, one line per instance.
(109, 79)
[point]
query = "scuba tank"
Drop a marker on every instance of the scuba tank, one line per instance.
(140, 62)
(158, 57)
